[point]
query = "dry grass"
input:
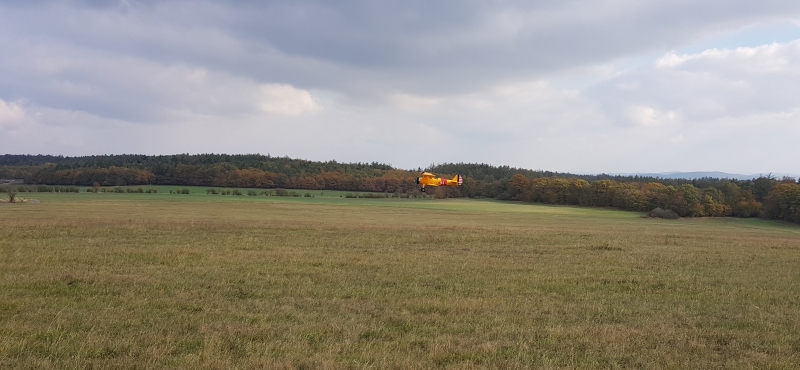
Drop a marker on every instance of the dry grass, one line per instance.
(120, 283)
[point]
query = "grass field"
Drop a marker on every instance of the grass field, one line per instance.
(205, 281)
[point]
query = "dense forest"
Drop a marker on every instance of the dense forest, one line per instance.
(766, 196)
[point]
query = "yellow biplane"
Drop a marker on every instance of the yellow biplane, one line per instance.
(429, 179)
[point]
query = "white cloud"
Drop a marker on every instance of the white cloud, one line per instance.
(671, 60)
(286, 100)
(649, 116)
(712, 84)
(724, 109)
(10, 114)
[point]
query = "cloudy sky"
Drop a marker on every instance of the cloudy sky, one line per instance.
(584, 86)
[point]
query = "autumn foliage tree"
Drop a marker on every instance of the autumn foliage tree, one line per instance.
(686, 200)
(783, 202)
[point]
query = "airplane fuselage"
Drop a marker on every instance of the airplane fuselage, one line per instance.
(429, 179)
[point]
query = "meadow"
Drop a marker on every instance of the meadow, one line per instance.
(208, 281)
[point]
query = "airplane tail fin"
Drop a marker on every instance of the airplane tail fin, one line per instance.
(459, 179)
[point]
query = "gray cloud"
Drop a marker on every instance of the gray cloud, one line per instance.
(389, 80)
(419, 46)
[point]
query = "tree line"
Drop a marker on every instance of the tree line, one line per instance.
(250, 170)
(765, 197)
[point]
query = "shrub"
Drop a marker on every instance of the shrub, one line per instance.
(184, 191)
(237, 192)
(307, 195)
(747, 208)
(151, 190)
(212, 191)
(663, 213)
